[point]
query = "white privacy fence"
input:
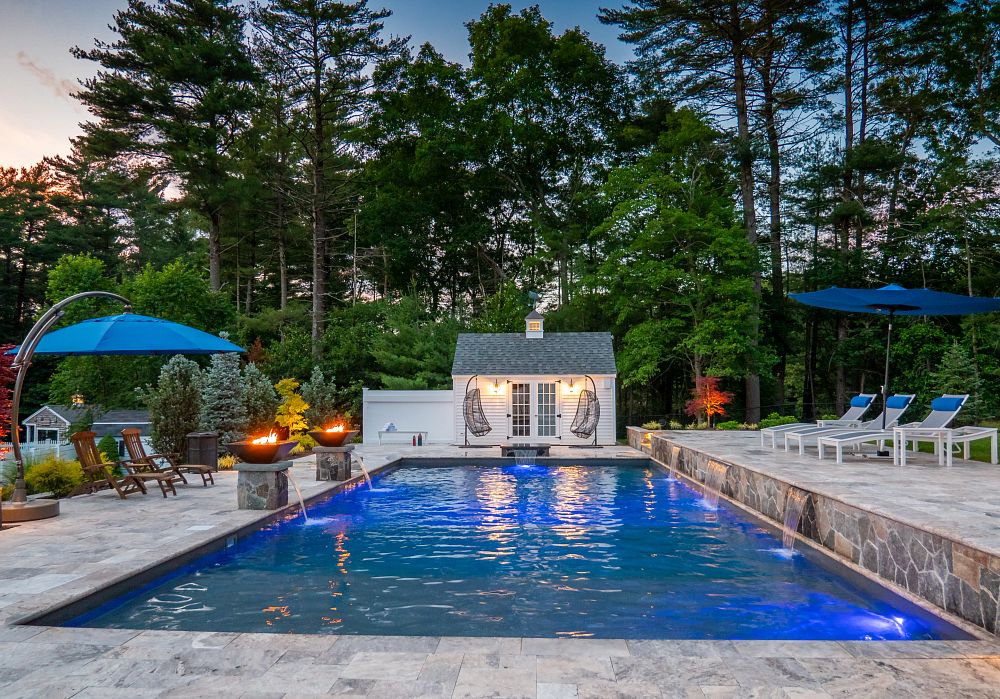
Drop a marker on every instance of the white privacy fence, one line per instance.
(410, 411)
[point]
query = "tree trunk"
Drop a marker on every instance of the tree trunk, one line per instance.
(282, 270)
(752, 398)
(774, 211)
(319, 267)
(841, 389)
(215, 250)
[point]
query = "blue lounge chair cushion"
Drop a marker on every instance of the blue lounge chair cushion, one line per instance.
(897, 401)
(861, 401)
(946, 404)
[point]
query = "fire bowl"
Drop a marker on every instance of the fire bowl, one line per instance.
(261, 453)
(333, 439)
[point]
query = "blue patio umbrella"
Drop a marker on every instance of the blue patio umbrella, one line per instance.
(893, 300)
(130, 334)
(122, 334)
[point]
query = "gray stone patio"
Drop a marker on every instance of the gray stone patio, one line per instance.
(99, 540)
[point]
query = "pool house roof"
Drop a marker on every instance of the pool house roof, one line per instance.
(513, 354)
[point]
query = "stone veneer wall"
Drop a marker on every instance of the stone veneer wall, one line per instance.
(955, 577)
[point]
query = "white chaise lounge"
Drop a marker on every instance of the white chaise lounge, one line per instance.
(943, 438)
(852, 418)
(895, 407)
(942, 413)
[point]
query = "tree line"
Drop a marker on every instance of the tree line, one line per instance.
(352, 201)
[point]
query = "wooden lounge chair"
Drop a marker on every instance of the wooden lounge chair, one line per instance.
(136, 472)
(163, 463)
(101, 474)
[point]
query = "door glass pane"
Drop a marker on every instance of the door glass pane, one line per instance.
(520, 410)
(546, 410)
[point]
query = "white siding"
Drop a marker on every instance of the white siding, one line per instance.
(496, 407)
(430, 411)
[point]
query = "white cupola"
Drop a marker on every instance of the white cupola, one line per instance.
(534, 325)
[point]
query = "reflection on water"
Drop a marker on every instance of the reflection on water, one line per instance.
(575, 551)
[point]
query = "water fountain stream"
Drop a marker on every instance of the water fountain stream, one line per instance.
(364, 471)
(795, 503)
(302, 502)
(715, 476)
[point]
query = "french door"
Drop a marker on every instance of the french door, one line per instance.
(533, 409)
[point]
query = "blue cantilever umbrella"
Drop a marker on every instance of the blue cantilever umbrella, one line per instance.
(131, 334)
(893, 300)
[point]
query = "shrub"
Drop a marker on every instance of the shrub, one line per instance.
(773, 420)
(729, 425)
(305, 443)
(675, 425)
(108, 446)
(321, 395)
(227, 461)
(260, 399)
(223, 409)
(292, 409)
(54, 475)
(652, 425)
(174, 404)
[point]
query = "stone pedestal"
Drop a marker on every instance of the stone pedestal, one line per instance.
(333, 463)
(262, 486)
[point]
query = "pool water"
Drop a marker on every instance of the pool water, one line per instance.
(604, 551)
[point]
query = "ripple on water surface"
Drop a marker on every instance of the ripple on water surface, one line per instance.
(586, 551)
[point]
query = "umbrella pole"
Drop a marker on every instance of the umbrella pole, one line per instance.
(885, 382)
(21, 363)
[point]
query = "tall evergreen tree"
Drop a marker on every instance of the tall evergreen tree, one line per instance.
(325, 52)
(173, 90)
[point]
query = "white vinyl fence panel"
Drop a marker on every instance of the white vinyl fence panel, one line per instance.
(428, 411)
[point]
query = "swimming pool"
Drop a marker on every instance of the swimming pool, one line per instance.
(605, 551)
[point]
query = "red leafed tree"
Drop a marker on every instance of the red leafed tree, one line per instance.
(7, 376)
(708, 399)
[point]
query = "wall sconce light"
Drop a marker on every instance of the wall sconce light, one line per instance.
(77, 399)
(495, 388)
(570, 386)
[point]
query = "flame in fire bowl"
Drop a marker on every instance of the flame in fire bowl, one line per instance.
(333, 438)
(258, 452)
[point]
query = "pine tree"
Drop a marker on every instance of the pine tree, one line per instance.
(957, 375)
(173, 88)
(223, 402)
(260, 400)
(174, 404)
(321, 395)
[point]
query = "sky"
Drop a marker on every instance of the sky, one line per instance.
(38, 115)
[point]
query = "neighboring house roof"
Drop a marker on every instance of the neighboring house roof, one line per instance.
(123, 417)
(67, 413)
(511, 354)
(114, 421)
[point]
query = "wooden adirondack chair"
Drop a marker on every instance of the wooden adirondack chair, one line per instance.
(100, 474)
(163, 463)
(136, 472)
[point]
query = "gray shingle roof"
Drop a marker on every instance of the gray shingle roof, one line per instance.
(114, 421)
(510, 354)
(123, 417)
(69, 413)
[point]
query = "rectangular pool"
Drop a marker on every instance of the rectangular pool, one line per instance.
(604, 551)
